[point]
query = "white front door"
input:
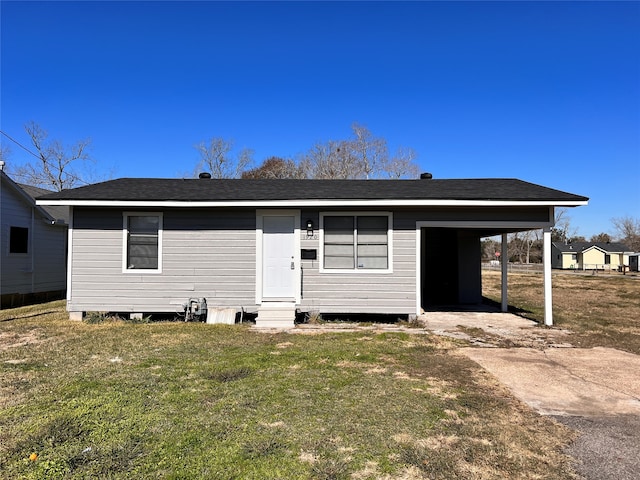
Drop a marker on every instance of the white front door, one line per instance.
(278, 256)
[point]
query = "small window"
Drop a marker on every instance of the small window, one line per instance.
(18, 240)
(607, 259)
(574, 256)
(356, 242)
(143, 241)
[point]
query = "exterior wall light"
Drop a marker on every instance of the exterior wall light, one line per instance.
(309, 228)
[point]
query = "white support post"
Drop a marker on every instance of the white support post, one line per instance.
(504, 256)
(546, 261)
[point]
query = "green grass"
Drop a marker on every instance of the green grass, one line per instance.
(184, 400)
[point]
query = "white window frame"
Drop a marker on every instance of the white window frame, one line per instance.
(355, 269)
(125, 242)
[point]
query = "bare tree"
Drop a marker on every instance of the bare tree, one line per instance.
(5, 151)
(216, 157)
(58, 166)
(628, 229)
(529, 239)
(362, 156)
(331, 160)
(562, 231)
(402, 164)
(370, 153)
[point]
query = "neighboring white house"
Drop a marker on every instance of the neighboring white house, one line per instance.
(590, 255)
(33, 246)
(274, 247)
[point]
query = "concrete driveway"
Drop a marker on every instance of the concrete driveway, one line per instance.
(568, 381)
(594, 391)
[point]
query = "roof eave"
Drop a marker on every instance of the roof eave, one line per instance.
(312, 203)
(27, 198)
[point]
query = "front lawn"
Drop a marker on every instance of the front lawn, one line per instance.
(186, 400)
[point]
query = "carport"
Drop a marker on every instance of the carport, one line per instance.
(449, 259)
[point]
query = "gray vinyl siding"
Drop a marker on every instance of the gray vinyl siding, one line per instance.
(361, 291)
(205, 253)
(43, 267)
(211, 253)
(395, 292)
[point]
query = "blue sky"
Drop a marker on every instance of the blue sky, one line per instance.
(548, 92)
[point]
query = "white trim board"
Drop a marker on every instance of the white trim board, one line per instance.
(313, 203)
(125, 230)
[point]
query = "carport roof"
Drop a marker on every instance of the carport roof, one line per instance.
(163, 191)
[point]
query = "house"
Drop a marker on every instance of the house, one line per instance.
(142, 245)
(590, 255)
(33, 245)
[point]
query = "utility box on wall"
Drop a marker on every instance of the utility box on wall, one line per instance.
(309, 254)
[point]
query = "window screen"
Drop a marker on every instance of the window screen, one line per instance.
(338, 242)
(356, 242)
(372, 242)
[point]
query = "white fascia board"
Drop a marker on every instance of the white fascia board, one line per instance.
(310, 203)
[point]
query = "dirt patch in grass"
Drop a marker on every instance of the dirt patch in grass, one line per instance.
(600, 310)
(12, 340)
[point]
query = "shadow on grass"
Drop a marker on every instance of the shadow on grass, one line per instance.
(520, 312)
(39, 314)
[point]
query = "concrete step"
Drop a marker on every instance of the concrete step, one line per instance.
(276, 315)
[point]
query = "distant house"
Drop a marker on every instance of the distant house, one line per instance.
(33, 246)
(277, 247)
(590, 255)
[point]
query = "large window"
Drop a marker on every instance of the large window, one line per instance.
(143, 235)
(18, 240)
(356, 242)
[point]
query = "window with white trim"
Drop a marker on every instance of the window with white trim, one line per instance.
(355, 242)
(143, 235)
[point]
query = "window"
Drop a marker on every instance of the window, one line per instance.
(18, 240)
(574, 256)
(143, 235)
(356, 242)
(607, 259)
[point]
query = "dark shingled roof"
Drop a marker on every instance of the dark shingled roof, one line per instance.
(211, 190)
(577, 247)
(56, 212)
